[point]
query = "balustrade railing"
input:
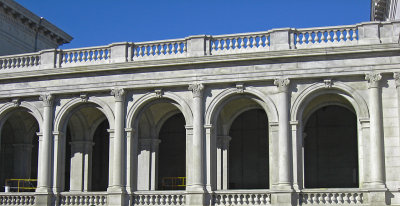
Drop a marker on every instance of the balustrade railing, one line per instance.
(89, 55)
(326, 36)
(17, 199)
(240, 43)
(155, 198)
(331, 197)
(245, 197)
(20, 61)
(158, 49)
(273, 40)
(84, 199)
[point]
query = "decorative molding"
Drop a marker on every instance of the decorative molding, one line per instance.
(328, 83)
(84, 97)
(373, 79)
(197, 89)
(282, 84)
(118, 93)
(396, 76)
(47, 99)
(16, 102)
(159, 93)
(239, 88)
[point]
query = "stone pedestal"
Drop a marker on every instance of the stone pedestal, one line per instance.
(284, 198)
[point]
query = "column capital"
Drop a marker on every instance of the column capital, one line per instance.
(118, 93)
(223, 141)
(282, 84)
(148, 144)
(47, 99)
(396, 76)
(197, 89)
(373, 79)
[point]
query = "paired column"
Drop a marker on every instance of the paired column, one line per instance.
(223, 162)
(148, 159)
(284, 156)
(377, 164)
(119, 151)
(80, 178)
(45, 140)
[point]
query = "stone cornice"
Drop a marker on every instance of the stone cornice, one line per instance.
(24, 16)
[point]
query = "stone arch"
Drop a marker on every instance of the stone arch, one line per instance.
(61, 117)
(161, 122)
(147, 99)
(8, 108)
(308, 94)
(222, 98)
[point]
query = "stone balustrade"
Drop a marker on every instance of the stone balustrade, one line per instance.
(287, 39)
(84, 199)
(240, 43)
(17, 199)
(84, 56)
(331, 197)
(175, 48)
(241, 197)
(158, 198)
(323, 37)
(20, 61)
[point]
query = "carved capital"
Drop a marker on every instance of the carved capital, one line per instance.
(223, 142)
(119, 94)
(396, 76)
(197, 89)
(84, 97)
(159, 93)
(16, 102)
(373, 79)
(282, 84)
(149, 144)
(240, 88)
(47, 99)
(328, 83)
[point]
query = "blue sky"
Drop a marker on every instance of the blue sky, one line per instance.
(101, 22)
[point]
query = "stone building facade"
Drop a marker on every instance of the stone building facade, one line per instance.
(282, 117)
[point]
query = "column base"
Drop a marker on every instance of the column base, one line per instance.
(116, 190)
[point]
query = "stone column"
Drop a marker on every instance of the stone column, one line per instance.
(196, 188)
(45, 141)
(59, 161)
(119, 143)
(80, 165)
(223, 161)
(284, 156)
(396, 76)
(377, 155)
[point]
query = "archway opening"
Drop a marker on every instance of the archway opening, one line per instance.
(331, 149)
(172, 158)
(19, 152)
(161, 155)
(248, 151)
(87, 150)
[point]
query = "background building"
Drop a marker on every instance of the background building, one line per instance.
(282, 117)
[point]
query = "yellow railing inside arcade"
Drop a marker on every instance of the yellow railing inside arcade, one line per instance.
(21, 185)
(173, 183)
